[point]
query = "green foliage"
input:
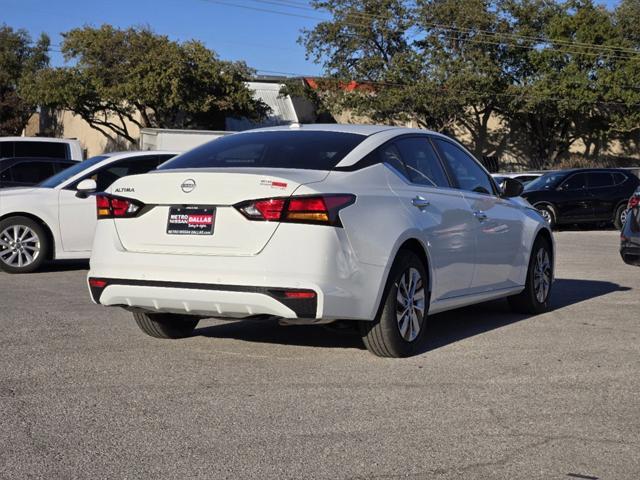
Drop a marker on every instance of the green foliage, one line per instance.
(554, 73)
(122, 78)
(19, 60)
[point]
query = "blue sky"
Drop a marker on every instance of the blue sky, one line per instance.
(266, 41)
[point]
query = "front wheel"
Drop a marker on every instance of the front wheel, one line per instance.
(547, 212)
(399, 327)
(165, 325)
(23, 245)
(537, 291)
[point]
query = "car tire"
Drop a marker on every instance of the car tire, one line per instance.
(548, 213)
(619, 216)
(399, 327)
(27, 254)
(166, 325)
(535, 297)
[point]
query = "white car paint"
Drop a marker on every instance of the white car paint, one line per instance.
(470, 258)
(70, 220)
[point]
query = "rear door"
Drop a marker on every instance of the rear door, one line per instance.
(497, 223)
(575, 202)
(439, 211)
(604, 197)
(77, 216)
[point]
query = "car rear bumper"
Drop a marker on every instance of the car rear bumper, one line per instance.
(630, 253)
(320, 262)
(204, 299)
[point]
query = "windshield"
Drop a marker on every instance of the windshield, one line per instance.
(310, 150)
(67, 173)
(545, 182)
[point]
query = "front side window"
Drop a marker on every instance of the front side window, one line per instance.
(577, 181)
(310, 150)
(421, 162)
(469, 175)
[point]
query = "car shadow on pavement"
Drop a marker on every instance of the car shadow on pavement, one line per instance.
(443, 328)
(63, 266)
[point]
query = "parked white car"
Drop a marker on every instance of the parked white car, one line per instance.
(315, 224)
(56, 218)
(65, 148)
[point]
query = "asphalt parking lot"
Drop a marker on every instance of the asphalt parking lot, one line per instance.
(84, 394)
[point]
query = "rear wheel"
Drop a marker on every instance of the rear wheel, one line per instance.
(165, 325)
(620, 217)
(23, 245)
(537, 292)
(398, 329)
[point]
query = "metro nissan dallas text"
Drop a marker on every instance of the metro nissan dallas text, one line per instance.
(314, 224)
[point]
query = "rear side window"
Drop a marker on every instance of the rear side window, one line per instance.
(311, 150)
(41, 149)
(619, 178)
(600, 179)
(421, 163)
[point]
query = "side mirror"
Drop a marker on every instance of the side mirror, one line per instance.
(511, 188)
(85, 188)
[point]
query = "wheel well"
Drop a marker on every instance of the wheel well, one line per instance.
(45, 227)
(619, 204)
(413, 245)
(544, 233)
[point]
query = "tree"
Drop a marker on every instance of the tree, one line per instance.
(19, 59)
(550, 73)
(135, 78)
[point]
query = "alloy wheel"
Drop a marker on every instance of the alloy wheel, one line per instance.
(546, 214)
(410, 304)
(19, 246)
(623, 217)
(542, 275)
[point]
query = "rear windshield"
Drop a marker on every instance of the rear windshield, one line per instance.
(276, 149)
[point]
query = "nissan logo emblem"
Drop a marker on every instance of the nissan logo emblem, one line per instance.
(188, 186)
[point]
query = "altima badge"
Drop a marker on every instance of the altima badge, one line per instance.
(188, 186)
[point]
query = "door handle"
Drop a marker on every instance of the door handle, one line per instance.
(420, 202)
(480, 215)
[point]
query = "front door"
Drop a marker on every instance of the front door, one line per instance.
(498, 225)
(439, 211)
(575, 202)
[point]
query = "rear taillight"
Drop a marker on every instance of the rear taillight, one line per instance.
(108, 206)
(316, 209)
(634, 201)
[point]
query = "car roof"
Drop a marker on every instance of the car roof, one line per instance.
(365, 130)
(38, 139)
(36, 159)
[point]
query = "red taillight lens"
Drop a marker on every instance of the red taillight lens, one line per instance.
(116, 207)
(97, 283)
(321, 209)
(270, 209)
(299, 294)
(634, 201)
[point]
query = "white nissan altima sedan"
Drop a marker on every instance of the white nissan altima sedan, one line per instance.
(318, 223)
(56, 218)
